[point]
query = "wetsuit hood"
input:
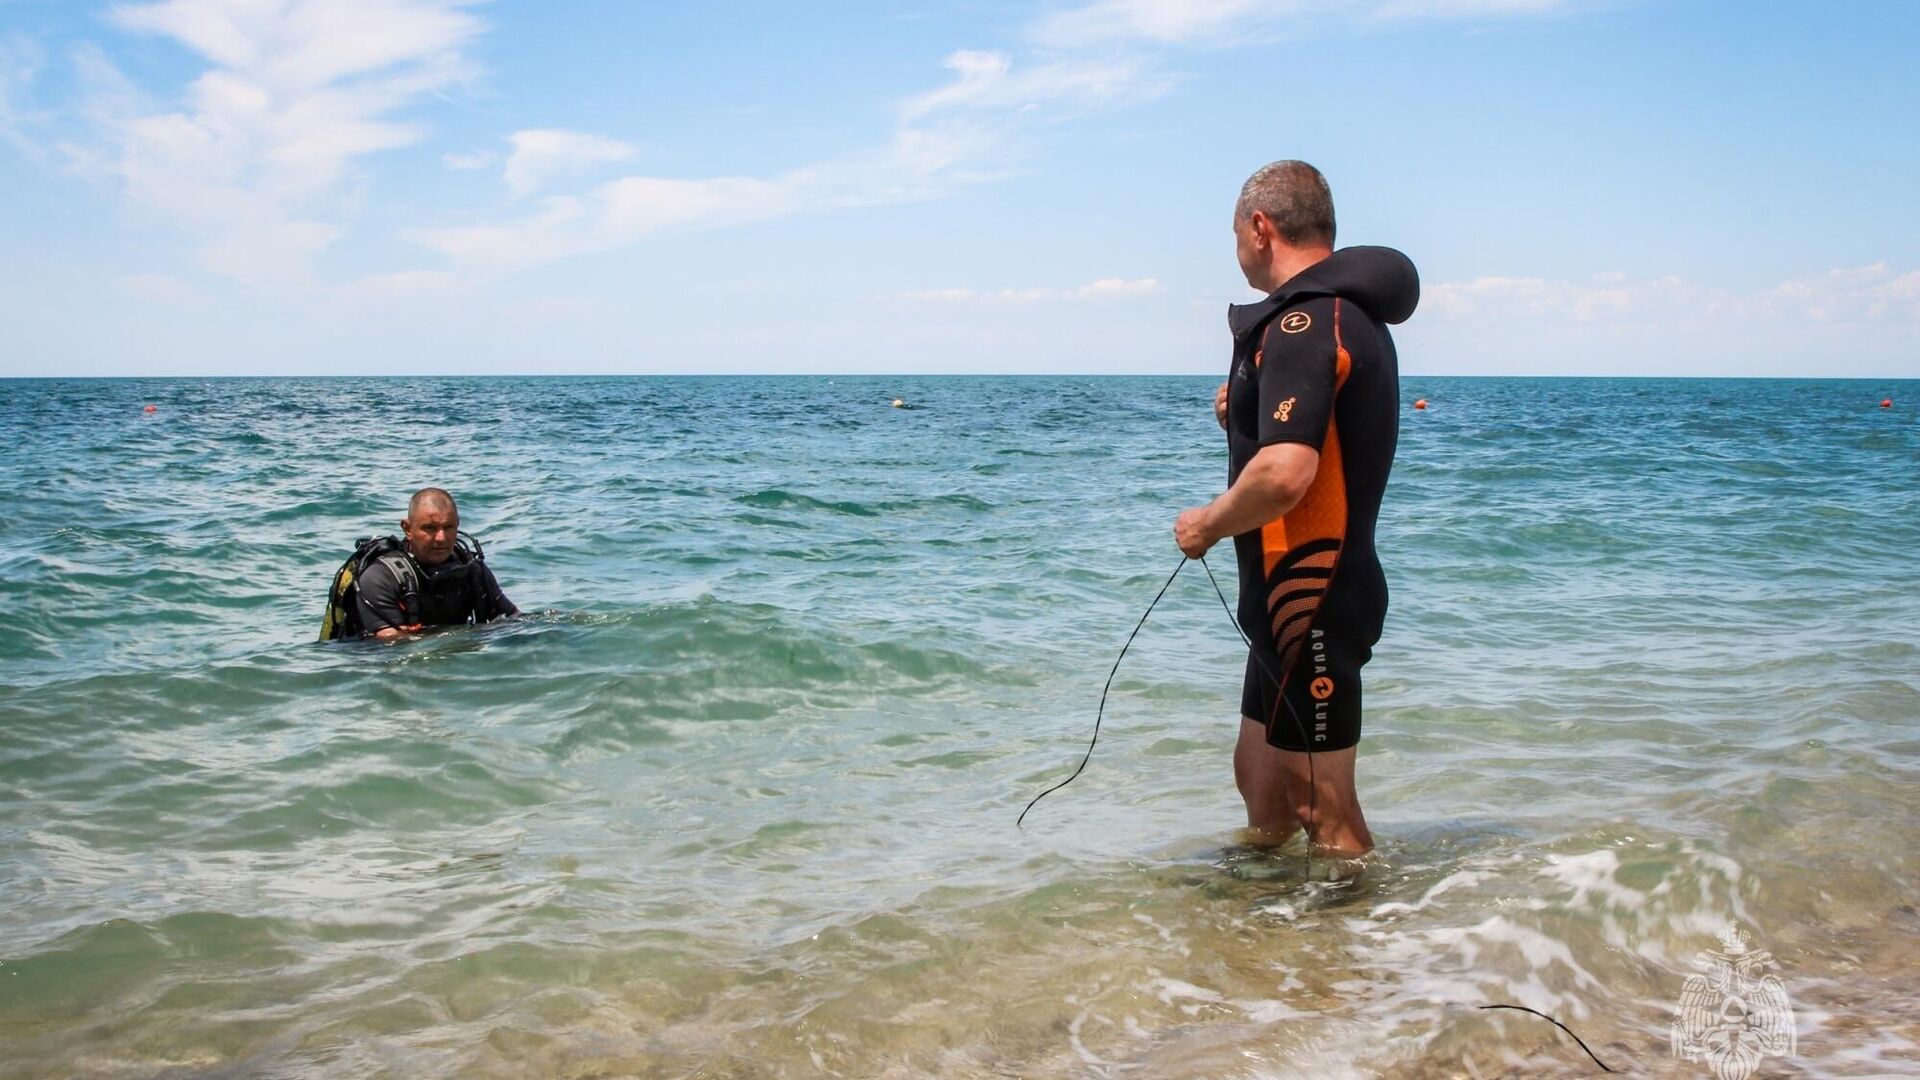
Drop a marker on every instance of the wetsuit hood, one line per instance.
(1379, 279)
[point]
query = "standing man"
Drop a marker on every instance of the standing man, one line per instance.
(1311, 411)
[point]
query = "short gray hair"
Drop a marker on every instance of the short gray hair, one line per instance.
(1295, 197)
(431, 495)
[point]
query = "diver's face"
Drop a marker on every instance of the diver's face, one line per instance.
(431, 532)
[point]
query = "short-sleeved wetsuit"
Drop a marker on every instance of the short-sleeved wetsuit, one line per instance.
(458, 591)
(1314, 364)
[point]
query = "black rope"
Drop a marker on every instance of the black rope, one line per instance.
(1101, 712)
(1558, 1024)
(1279, 685)
(1313, 786)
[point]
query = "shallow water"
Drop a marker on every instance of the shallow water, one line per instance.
(739, 802)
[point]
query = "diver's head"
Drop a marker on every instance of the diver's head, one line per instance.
(432, 526)
(1282, 223)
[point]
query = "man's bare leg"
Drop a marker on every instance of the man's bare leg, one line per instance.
(1275, 785)
(1263, 786)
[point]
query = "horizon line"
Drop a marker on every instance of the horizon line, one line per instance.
(907, 375)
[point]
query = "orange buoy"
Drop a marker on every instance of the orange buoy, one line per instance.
(1421, 404)
(151, 408)
(1886, 403)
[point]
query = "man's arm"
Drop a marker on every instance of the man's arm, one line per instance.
(491, 602)
(378, 598)
(1271, 484)
(1298, 377)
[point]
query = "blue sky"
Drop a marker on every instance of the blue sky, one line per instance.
(405, 186)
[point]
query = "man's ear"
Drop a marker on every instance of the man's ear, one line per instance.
(406, 526)
(1263, 226)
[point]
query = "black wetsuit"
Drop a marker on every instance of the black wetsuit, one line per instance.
(1313, 364)
(456, 592)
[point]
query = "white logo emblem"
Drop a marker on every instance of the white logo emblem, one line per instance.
(1737, 1012)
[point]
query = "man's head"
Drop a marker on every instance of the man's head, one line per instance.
(432, 525)
(1283, 223)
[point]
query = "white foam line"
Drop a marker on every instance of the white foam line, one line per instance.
(1459, 878)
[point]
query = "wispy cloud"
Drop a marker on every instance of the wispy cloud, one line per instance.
(956, 134)
(478, 159)
(1104, 288)
(253, 161)
(961, 131)
(163, 289)
(1464, 9)
(257, 158)
(1107, 21)
(1855, 294)
(625, 211)
(543, 154)
(989, 80)
(21, 61)
(1876, 291)
(403, 285)
(1225, 22)
(611, 216)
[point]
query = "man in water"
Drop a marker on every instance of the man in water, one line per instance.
(435, 581)
(1311, 412)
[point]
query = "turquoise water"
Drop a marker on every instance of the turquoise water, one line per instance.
(740, 800)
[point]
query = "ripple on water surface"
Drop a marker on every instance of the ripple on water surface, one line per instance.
(739, 800)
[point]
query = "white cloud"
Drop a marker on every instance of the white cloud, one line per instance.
(256, 160)
(1465, 9)
(988, 80)
(1150, 20)
(1904, 289)
(613, 215)
(541, 310)
(1501, 297)
(163, 289)
(1857, 294)
(1118, 287)
(1849, 295)
(540, 155)
(253, 162)
(625, 211)
(956, 134)
(1226, 22)
(478, 159)
(404, 285)
(20, 63)
(1094, 290)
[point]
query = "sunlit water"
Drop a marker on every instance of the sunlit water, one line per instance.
(741, 801)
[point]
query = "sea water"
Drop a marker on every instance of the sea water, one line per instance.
(737, 798)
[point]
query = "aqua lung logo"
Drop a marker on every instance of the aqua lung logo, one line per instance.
(1295, 321)
(1322, 687)
(1735, 1013)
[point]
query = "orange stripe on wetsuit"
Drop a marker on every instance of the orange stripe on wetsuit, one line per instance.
(1302, 548)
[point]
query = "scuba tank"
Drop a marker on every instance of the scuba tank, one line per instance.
(342, 619)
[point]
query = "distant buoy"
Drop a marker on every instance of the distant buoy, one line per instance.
(151, 408)
(1421, 404)
(899, 403)
(1886, 403)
